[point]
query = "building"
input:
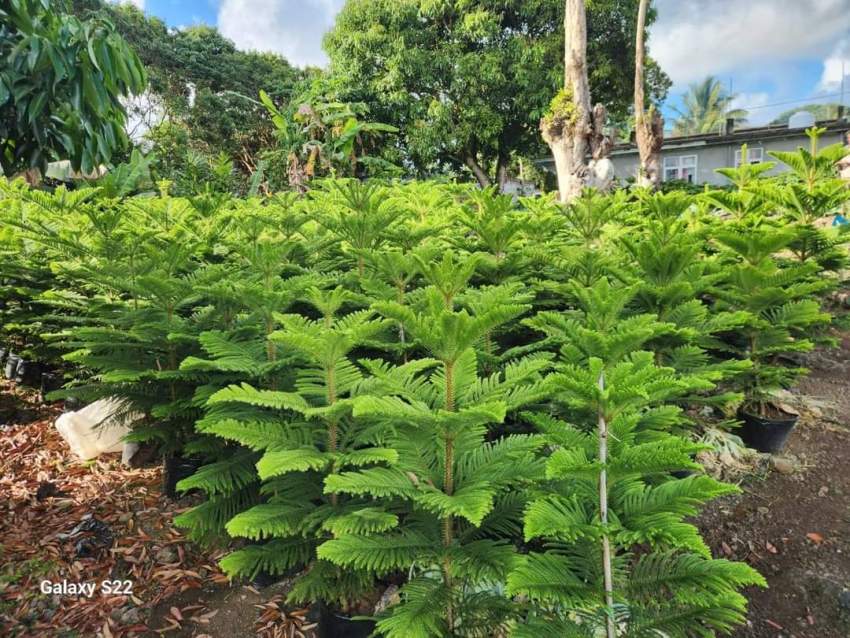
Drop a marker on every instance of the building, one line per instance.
(696, 158)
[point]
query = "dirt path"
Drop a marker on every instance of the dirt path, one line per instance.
(793, 522)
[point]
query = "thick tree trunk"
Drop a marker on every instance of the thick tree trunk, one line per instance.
(844, 164)
(480, 174)
(572, 130)
(502, 175)
(649, 127)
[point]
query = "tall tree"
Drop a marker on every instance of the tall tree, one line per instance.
(61, 85)
(705, 108)
(467, 83)
(649, 125)
(571, 129)
(201, 82)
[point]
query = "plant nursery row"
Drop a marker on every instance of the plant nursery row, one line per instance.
(488, 406)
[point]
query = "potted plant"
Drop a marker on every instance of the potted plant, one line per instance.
(780, 296)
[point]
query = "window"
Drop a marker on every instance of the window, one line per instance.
(755, 155)
(683, 167)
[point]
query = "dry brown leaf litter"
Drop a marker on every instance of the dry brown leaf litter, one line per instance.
(45, 492)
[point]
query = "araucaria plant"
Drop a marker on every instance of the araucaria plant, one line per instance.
(614, 555)
(456, 413)
(456, 497)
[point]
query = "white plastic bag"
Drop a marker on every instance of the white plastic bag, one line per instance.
(96, 429)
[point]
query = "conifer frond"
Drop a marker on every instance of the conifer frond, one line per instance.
(550, 577)
(221, 477)
(379, 554)
(379, 482)
(472, 501)
(422, 614)
(269, 520)
(255, 435)
(368, 456)
(275, 557)
(281, 461)
(363, 521)
(559, 517)
(245, 393)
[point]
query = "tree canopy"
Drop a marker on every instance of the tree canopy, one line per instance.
(206, 86)
(61, 86)
(467, 83)
(825, 111)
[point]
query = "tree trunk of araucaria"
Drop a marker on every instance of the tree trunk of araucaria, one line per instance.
(649, 126)
(571, 129)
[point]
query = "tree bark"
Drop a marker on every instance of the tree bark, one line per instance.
(480, 174)
(502, 172)
(649, 127)
(607, 571)
(844, 164)
(574, 133)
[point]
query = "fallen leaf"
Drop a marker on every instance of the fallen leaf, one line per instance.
(816, 538)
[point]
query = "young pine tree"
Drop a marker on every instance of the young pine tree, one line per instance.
(305, 433)
(611, 552)
(456, 498)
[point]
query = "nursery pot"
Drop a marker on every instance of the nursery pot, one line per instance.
(334, 624)
(176, 469)
(50, 381)
(766, 433)
(71, 404)
(11, 370)
(29, 373)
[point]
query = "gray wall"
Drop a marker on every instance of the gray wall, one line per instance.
(711, 157)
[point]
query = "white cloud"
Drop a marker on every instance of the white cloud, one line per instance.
(694, 38)
(293, 28)
(139, 3)
(758, 107)
(833, 65)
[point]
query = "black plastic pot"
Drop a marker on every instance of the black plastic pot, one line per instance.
(766, 434)
(71, 404)
(11, 369)
(682, 474)
(29, 373)
(176, 469)
(334, 624)
(51, 381)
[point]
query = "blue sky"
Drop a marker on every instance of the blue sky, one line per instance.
(775, 54)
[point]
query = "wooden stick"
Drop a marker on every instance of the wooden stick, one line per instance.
(611, 628)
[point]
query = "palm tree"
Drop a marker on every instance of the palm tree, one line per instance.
(705, 109)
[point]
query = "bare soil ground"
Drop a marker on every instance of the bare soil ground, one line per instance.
(793, 522)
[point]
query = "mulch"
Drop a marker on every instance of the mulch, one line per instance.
(62, 519)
